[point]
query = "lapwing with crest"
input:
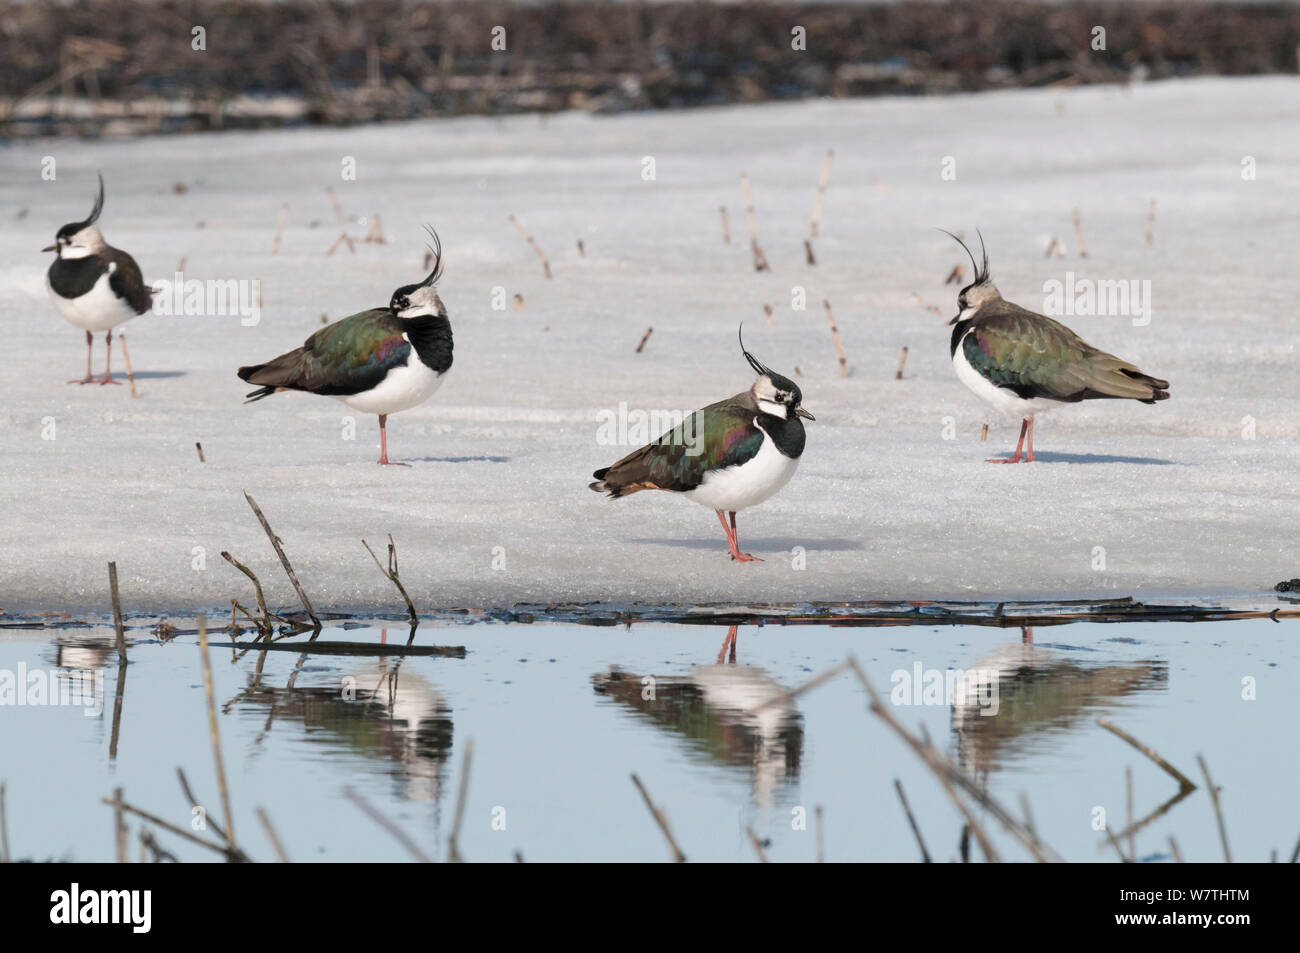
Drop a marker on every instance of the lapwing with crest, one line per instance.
(95, 286)
(1025, 363)
(730, 455)
(380, 361)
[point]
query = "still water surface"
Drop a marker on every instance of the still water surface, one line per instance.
(561, 716)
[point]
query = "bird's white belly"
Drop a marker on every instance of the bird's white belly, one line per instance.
(748, 484)
(99, 309)
(1002, 399)
(401, 389)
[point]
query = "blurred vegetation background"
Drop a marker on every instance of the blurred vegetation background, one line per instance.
(122, 67)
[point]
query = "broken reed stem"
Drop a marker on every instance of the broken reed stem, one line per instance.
(546, 264)
(119, 697)
(199, 447)
(785, 697)
(1182, 779)
(194, 802)
(949, 774)
(808, 256)
(462, 795)
(391, 574)
(954, 276)
(1078, 234)
(767, 313)
(928, 307)
(753, 839)
(4, 828)
(375, 232)
(1218, 810)
(582, 249)
(265, 624)
(916, 831)
(726, 229)
(662, 821)
(1173, 849)
(119, 630)
(1151, 224)
(814, 226)
(760, 260)
(281, 217)
(272, 836)
(126, 358)
(1119, 851)
(284, 561)
(984, 433)
(343, 237)
(214, 733)
(645, 337)
(398, 834)
(902, 359)
(1128, 811)
(334, 200)
(150, 843)
(119, 826)
(835, 335)
(231, 853)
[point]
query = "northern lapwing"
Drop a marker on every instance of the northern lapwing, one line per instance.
(380, 361)
(730, 455)
(1025, 363)
(95, 286)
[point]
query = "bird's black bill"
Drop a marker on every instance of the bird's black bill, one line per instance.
(800, 412)
(50, 248)
(955, 319)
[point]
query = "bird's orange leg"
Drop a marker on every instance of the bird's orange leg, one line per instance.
(383, 444)
(1024, 427)
(1029, 458)
(90, 347)
(736, 554)
(728, 642)
(108, 361)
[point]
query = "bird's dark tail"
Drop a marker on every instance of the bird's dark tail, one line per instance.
(600, 486)
(246, 374)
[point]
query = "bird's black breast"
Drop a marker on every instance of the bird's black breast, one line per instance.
(958, 330)
(73, 277)
(787, 435)
(431, 338)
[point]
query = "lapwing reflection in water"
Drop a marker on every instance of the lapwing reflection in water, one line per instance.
(711, 710)
(373, 708)
(1021, 697)
(81, 663)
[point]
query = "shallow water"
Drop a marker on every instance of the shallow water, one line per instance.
(561, 716)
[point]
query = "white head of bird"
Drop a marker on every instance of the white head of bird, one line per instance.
(421, 300)
(81, 239)
(979, 292)
(775, 393)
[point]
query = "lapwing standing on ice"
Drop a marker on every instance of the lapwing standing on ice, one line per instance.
(728, 456)
(95, 286)
(1024, 363)
(380, 361)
